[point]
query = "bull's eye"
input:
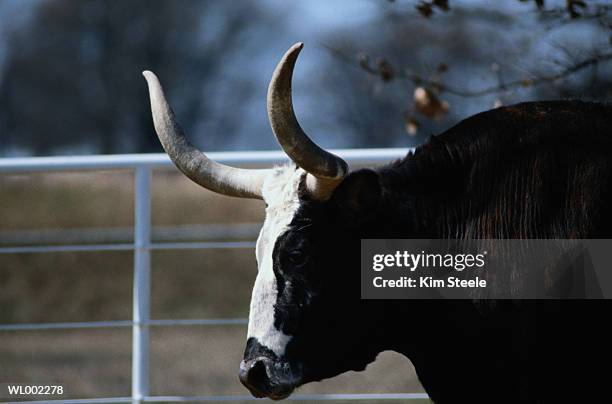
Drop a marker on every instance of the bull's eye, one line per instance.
(294, 257)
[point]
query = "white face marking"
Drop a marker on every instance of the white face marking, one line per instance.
(280, 192)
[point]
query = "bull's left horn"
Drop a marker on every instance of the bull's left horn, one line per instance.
(327, 168)
(191, 161)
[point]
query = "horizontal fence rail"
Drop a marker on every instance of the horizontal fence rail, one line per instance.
(103, 235)
(142, 239)
(120, 323)
(229, 398)
(159, 160)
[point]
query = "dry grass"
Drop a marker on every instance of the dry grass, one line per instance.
(90, 286)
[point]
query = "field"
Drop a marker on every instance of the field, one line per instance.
(88, 286)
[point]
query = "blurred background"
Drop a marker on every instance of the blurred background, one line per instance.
(373, 73)
(70, 79)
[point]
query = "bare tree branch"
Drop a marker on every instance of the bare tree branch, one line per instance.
(389, 72)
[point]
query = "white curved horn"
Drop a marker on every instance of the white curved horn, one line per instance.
(244, 183)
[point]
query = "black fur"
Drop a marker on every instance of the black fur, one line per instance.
(533, 170)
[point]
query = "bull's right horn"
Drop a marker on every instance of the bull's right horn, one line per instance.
(244, 183)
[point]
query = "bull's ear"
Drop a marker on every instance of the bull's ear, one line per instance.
(358, 196)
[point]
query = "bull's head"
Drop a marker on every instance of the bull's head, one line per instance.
(299, 315)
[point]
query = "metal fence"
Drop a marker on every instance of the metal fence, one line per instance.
(142, 245)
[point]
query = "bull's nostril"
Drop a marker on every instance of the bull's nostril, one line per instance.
(254, 376)
(258, 376)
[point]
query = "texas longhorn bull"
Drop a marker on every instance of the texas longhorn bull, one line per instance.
(533, 170)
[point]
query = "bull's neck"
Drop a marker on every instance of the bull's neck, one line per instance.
(397, 218)
(401, 215)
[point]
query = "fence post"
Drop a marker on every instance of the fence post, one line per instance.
(142, 283)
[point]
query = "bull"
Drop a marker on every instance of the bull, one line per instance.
(532, 170)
